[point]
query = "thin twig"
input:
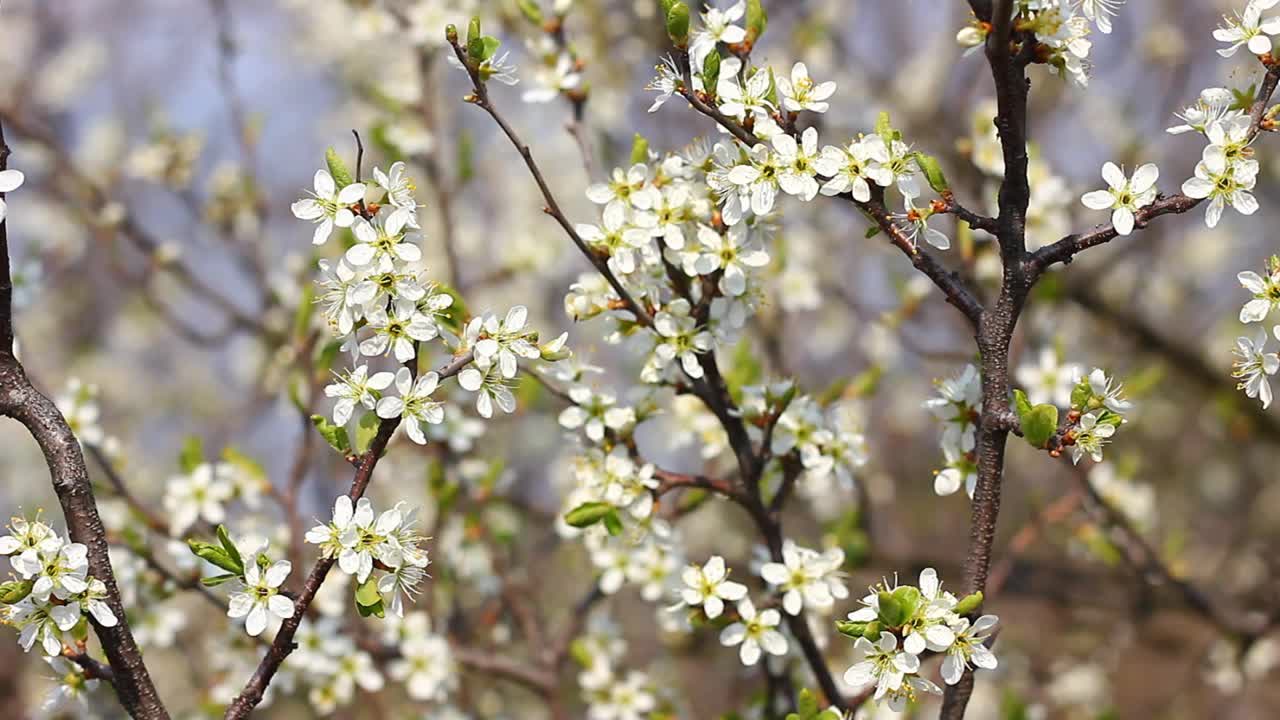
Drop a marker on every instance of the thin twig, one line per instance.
(1068, 247)
(480, 98)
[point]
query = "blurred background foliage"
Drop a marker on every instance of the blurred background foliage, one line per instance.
(163, 141)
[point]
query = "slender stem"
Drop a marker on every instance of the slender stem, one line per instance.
(995, 330)
(1146, 562)
(1064, 250)
(480, 98)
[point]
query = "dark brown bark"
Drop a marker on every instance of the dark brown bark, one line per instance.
(20, 400)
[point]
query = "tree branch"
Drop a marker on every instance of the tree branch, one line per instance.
(1066, 249)
(480, 98)
(283, 643)
(20, 400)
(1146, 562)
(949, 282)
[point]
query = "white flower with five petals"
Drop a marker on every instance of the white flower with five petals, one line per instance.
(260, 596)
(328, 206)
(1126, 196)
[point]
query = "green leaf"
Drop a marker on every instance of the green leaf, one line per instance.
(1081, 394)
(490, 46)
(375, 610)
(588, 514)
(932, 172)
(872, 231)
(1244, 99)
(334, 435)
(245, 464)
(368, 599)
(216, 556)
(892, 613)
(910, 599)
(455, 316)
(692, 499)
(711, 71)
(744, 368)
(807, 704)
(192, 454)
(772, 94)
(327, 353)
(1021, 404)
(473, 30)
(613, 523)
(337, 168)
(233, 552)
(639, 149)
(366, 429)
(367, 593)
(757, 20)
(581, 653)
(217, 580)
(872, 630)
(866, 382)
(968, 604)
(1039, 424)
(297, 387)
(884, 126)
(678, 24)
(530, 10)
(850, 628)
(15, 590)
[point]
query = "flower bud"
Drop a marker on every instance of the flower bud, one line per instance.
(678, 24)
(970, 37)
(15, 591)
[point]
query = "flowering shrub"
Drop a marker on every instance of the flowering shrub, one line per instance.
(395, 321)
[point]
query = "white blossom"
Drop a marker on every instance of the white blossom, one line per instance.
(1126, 196)
(260, 596)
(709, 587)
(328, 206)
(754, 632)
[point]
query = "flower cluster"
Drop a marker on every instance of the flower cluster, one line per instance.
(610, 692)
(807, 578)
(1253, 363)
(78, 403)
(899, 623)
(205, 490)
(54, 594)
(829, 442)
(426, 665)
(377, 301)
(1098, 409)
(1227, 171)
(363, 542)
